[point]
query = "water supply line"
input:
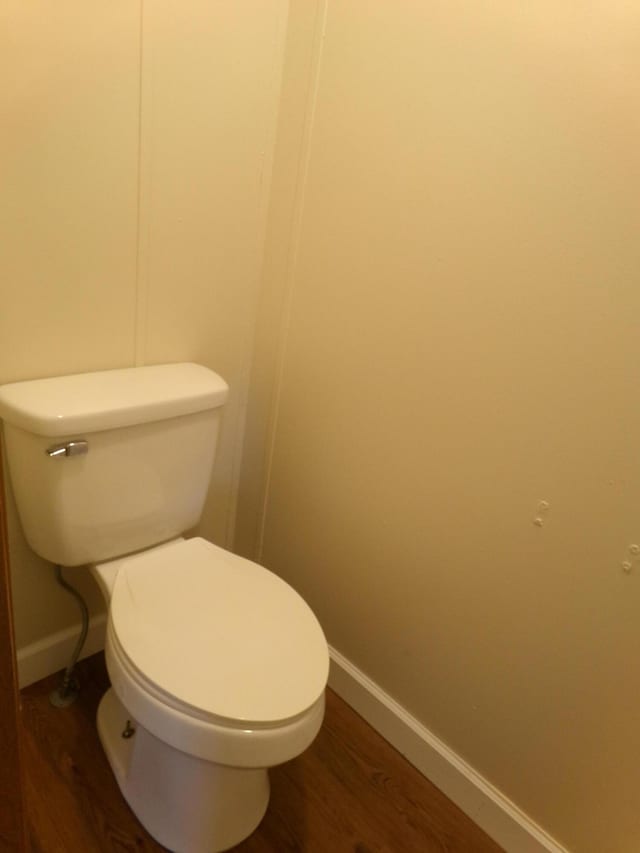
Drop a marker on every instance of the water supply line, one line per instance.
(68, 690)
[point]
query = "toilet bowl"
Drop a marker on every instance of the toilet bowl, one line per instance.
(188, 720)
(218, 667)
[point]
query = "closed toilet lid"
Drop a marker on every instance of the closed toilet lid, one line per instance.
(218, 633)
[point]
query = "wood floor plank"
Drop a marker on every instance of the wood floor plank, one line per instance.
(351, 792)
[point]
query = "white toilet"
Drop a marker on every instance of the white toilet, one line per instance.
(218, 667)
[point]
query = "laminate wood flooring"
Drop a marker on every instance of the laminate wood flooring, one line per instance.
(350, 792)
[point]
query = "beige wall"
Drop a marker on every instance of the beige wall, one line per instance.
(135, 154)
(446, 337)
(450, 314)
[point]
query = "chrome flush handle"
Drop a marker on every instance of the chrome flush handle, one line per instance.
(70, 448)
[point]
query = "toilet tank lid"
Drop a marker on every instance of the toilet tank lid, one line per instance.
(90, 402)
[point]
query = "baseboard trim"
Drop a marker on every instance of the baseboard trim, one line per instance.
(501, 819)
(52, 653)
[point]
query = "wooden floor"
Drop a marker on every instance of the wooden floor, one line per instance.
(350, 791)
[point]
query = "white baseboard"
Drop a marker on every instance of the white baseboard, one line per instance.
(486, 806)
(53, 653)
(511, 828)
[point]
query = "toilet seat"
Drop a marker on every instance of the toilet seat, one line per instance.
(209, 641)
(208, 739)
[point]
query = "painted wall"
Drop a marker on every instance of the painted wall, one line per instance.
(135, 156)
(450, 313)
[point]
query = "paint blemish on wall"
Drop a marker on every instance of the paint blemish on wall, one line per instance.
(543, 509)
(628, 564)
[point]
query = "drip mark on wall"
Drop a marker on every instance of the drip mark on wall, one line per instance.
(543, 509)
(628, 564)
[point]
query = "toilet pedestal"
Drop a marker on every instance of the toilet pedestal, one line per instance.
(188, 805)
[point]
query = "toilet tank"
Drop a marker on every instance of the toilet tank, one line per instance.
(104, 464)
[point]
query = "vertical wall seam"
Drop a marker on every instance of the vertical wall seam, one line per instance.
(141, 286)
(292, 260)
(272, 87)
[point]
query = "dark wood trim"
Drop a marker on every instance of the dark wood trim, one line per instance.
(13, 833)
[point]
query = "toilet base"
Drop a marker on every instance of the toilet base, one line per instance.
(187, 804)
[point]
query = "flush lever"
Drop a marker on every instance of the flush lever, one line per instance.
(69, 448)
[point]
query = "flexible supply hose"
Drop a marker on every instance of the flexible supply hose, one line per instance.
(67, 691)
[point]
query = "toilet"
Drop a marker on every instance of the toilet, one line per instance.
(218, 667)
